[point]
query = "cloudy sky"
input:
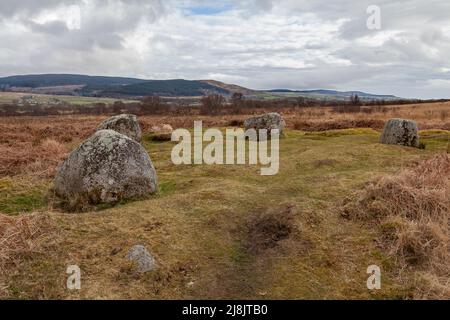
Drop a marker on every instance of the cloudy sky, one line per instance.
(261, 44)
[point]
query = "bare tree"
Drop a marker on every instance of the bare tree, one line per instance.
(118, 106)
(354, 99)
(152, 105)
(212, 104)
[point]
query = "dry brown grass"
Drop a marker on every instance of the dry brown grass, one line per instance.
(38, 144)
(19, 238)
(30, 144)
(334, 124)
(226, 230)
(41, 159)
(428, 116)
(413, 209)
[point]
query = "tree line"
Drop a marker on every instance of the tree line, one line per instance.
(214, 104)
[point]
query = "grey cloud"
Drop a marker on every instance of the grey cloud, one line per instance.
(298, 44)
(52, 27)
(11, 8)
(110, 41)
(102, 23)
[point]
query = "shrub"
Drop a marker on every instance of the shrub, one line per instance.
(236, 123)
(153, 105)
(211, 105)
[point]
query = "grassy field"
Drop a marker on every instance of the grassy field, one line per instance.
(10, 97)
(216, 231)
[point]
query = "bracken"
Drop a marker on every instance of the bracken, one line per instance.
(19, 237)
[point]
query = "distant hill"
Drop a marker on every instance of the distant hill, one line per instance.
(107, 86)
(51, 80)
(169, 88)
(131, 88)
(331, 94)
(232, 88)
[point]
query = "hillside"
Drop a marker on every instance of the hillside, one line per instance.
(167, 88)
(331, 94)
(52, 80)
(99, 86)
(121, 87)
(230, 87)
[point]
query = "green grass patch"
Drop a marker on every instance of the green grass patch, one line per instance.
(23, 202)
(166, 187)
(341, 132)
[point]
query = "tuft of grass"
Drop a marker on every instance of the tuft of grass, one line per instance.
(20, 237)
(412, 208)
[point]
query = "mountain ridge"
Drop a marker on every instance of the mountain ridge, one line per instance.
(128, 87)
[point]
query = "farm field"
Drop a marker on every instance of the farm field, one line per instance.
(11, 97)
(217, 232)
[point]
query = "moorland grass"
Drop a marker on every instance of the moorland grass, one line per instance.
(200, 226)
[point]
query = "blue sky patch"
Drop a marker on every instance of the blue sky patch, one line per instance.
(208, 10)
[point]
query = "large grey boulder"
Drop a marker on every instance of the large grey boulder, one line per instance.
(268, 121)
(400, 132)
(126, 124)
(143, 260)
(106, 168)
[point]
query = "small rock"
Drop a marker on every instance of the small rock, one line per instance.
(167, 128)
(115, 251)
(400, 132)
(164, 128)
(155, 129)
(126, 124)
(142, 258)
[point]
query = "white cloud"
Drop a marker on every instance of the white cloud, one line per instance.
(68, 14)
(261, 44)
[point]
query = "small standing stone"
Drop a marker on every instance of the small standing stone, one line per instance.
(126, 124)
(400, 132)
(142, 258)
(268, 121)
